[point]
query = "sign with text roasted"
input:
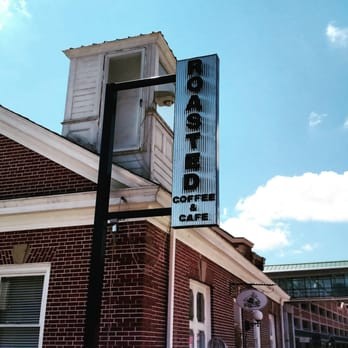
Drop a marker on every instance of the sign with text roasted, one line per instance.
(195, 162)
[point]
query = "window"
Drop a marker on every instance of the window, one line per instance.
(199, 315)
(305, 306)
(23, 292)
(315, 327)
(298, 287)
(305, 325)
(314, 308)
(200, 307)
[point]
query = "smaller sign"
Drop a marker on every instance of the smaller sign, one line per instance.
(251, 299)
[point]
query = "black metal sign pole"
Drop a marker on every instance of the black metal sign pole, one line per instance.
(96, 271)
(95, 285)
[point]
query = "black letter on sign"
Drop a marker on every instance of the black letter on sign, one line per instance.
(193, 137)
(193, 121)
(192, 161)
(191, 182)
(194, 103)
(194, 66)
(195, 84)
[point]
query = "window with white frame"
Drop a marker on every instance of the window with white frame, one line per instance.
(23, 293)
(200, 330)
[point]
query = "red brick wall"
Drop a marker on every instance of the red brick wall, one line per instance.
(223, 292)
(222, 316)
(135, 303)
(135, 288)
(25, 173)
(67, 249)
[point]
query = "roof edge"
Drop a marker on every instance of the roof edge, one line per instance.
(61, 150)
(293, 267)
(117, 44)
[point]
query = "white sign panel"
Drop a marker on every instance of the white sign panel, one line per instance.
(195, 163)
(251, 299)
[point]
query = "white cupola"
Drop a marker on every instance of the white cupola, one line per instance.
(143, 140)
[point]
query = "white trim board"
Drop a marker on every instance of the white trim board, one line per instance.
(73, 209)
(61, 150)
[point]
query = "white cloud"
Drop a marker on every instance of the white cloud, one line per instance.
(308, 247)
(264, 216)
(22, 8)
(314, 119)
(311, 196)
(305, 248)
(5, 12)
(10, 10)
(264, 238)
(337, 36)
(345, 124)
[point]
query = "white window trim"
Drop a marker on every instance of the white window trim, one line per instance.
(104, 78)
(31, 270)
(196, 287)
(129, 52)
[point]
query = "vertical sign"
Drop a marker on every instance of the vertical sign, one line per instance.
(195, 163)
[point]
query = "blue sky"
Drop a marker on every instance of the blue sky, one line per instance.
(283, 101)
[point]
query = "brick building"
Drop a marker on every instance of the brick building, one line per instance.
(317, 311)
(162, 287)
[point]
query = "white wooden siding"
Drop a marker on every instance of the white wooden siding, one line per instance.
(161, 168)
(86, 87)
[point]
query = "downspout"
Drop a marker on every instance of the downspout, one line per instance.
(171, 283)
(282, 322)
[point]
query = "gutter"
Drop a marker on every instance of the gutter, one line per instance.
(282, 322)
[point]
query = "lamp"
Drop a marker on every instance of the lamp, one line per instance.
(164, 98)
(257, 316)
